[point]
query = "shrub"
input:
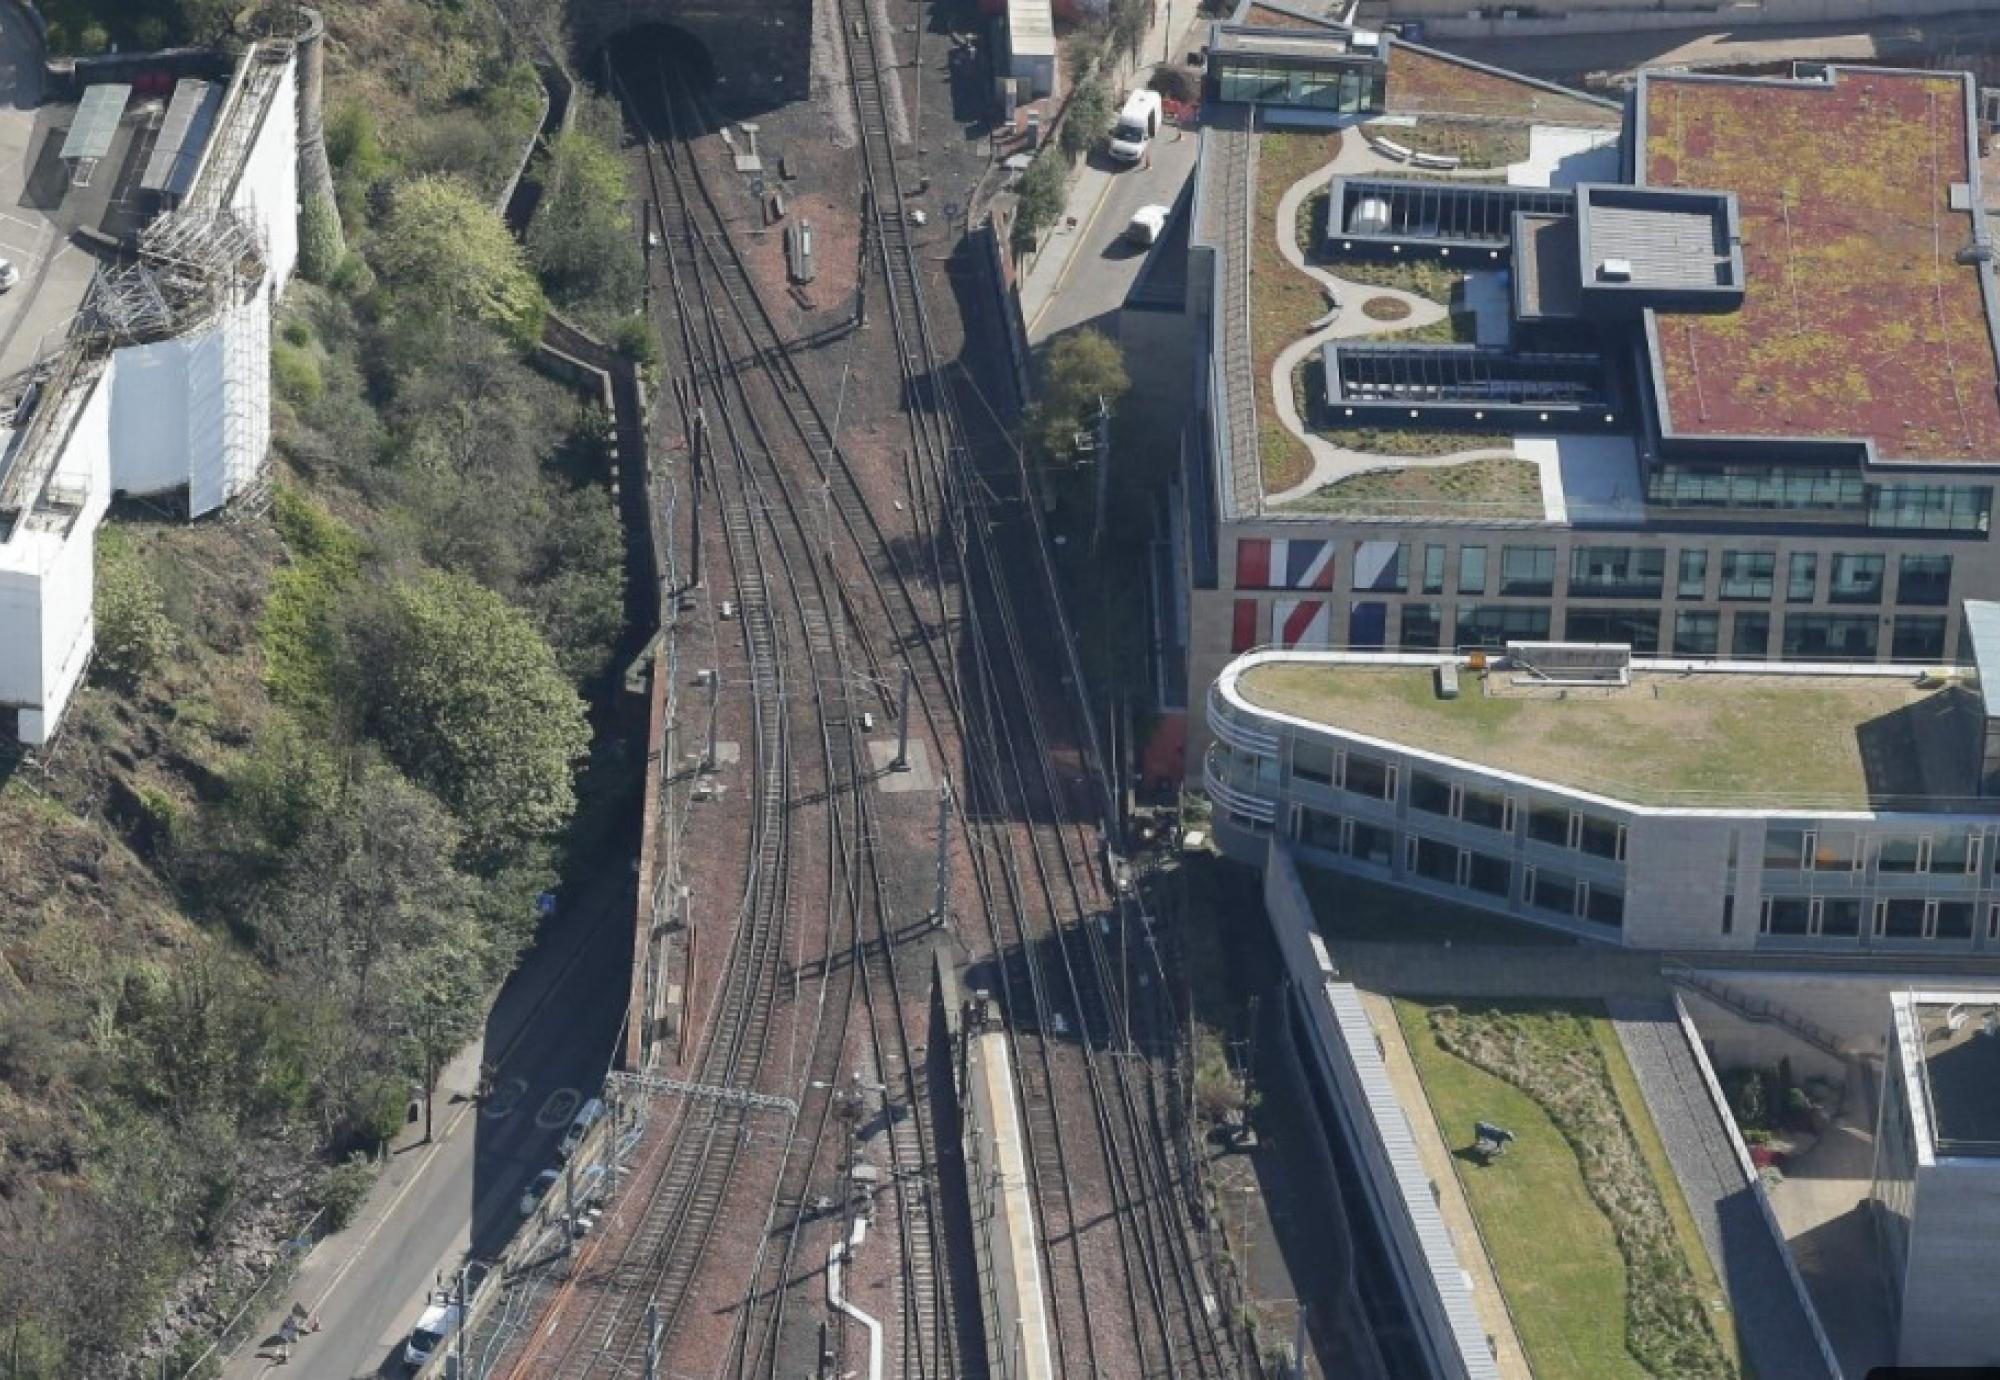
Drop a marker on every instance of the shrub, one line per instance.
(635, 339)
(1042, 191)
(134, 634)
(342, 1188)
(1181, 84)
(296, 373)
(320, 247)
(1089, 116)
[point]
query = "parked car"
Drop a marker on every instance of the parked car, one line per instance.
(1138, 122)
(439, 1320)
(586, 1117)
(9, 275)
(531, 1197)
(1148, 223)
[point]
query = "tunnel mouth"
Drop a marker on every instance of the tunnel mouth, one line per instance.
(634, 64)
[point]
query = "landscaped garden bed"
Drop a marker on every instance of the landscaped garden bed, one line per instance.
(1284, 302)
(1477, 488)
(1594, 1249)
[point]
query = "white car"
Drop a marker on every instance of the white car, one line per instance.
(531, 1197)
(439, 1321)
(1148, 223)
(9, 275)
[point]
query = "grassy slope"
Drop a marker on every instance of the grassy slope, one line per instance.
(1283, 301)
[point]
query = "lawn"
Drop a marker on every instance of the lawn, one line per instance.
(1283, 301)
(1475, 143)
(1571, 1238)
(1666, 739)
(1486, 488)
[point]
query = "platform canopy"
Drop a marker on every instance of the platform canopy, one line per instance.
(96, 122)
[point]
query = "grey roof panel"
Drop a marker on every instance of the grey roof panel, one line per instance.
(96, 122)
(183, 135)
(1982, 630)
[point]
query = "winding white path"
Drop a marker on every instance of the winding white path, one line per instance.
(1332, 462)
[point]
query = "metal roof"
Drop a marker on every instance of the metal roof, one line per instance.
(96, 122)
(1663, 247)
(1982, 630)
(183, 135)
(1031, 29)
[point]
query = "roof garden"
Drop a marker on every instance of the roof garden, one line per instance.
(1423, 81)
(1714, 740)
(1859, 319)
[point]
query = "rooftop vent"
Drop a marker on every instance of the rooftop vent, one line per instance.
(1615, 271)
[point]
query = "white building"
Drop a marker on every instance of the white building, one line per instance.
(163, 385)
(1937, 1175)
(1694, 805)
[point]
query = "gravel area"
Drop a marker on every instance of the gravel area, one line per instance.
(1770, 1318)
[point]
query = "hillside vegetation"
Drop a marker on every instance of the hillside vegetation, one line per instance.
(335, 741)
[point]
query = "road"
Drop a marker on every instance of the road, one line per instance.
(554, 1026)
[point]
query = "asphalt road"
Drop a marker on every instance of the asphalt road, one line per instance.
(554, 1025)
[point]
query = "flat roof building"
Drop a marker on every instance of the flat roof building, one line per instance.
(1650, 802)
(1710, 371)
(1937, 1175)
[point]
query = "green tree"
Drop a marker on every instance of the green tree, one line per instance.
(470, 701)
(1080, 368)
(134, 634)
(1042, 190)
(581, 238)
(1089, 116)
(445, 252)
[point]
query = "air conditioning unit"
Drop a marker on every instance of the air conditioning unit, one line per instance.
(1615, 271)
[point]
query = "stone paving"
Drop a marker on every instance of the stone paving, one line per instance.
(1771, 1321)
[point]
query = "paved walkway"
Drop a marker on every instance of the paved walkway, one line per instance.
(1771, 1322)
(1458, 1219)
(1332, 462)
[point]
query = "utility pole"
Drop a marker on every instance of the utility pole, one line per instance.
(902, 762)
(714, 692)
(458, 1332)
(941, 907)
(700, 449)
(653, 1340)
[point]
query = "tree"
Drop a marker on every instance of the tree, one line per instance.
(470, 701)
(581, 238)
(1089, 116)
(1042, 191)
(445, 252)
(1080, 368)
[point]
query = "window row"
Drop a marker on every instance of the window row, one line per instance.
(1628, 572)
(1314, 86)
(1467, 869)
(1809, 849)
(1554, 825)
(1839, 494)
(1896, 917)
(1913, 637)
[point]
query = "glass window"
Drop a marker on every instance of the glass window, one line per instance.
(1840, 915)
(1803, 578)
(1494, 876)
(1856, 580)
(1528, 570)
(1434, 569)
(1954, 851)
(1437, 862)
(1431, 794)
(1900, 918)
(1836, 636)
(1318, 830)
(1603, 837)
(1549, 824)
(1604, 904)
(1840, 493)
(1638, 627)
(1899, 854)
(1785, 849)
(1836, 850)
(1367, 625)
(1422, 628)
(1748, 574)
(1495, 625)
(1487, 809)
(1929, 507)
(1369, 776)
(1923, 580)
(1370, 843)
(1471, 570)
(1554, 891)
(1617, 572)
(1918, 637)
(1693, 581)
(1697, 632)
(1312, 761)
(1954, 920)
(1787, 915)
(1750, 635)
(1382, 566)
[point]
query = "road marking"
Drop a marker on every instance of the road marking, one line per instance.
(565, 1098)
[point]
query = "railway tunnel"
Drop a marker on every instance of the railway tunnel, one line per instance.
(754, 54)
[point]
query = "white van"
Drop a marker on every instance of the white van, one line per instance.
(439, 1321)
(1138, 122)
(586, 1117)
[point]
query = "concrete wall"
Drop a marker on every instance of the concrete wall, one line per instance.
(1947, 1297)
(1447, 18)
(1676, 877)
(1736, 1042)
